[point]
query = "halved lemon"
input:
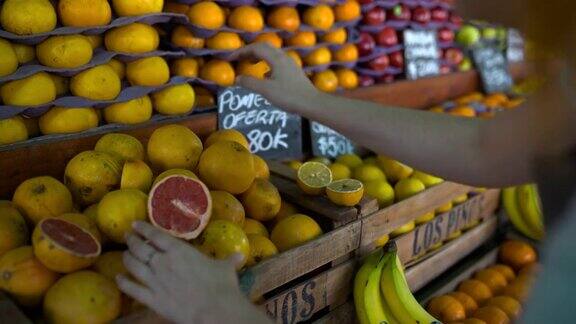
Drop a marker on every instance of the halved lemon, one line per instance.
(313, 177)
(347, 192)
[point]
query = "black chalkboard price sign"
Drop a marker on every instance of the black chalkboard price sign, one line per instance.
(271, 132)
(421, 54)
(493, 68)
(326, 142)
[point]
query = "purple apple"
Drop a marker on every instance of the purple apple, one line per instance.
(366, 81)
(421, 15)
(380, 63)
(387, 37)
(397, 60)
(366, 44)
(375, 16)
(440, 14)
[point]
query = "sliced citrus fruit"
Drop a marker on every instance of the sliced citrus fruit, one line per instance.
(170, 172)
(180, 205)
(347, 192)
(313, 177)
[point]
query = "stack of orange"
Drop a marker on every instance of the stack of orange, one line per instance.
(491, 102)
(493, 295)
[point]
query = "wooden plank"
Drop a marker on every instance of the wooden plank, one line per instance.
(50, 157)
(302, 301)
(427, 92)
(386, 220)
(287, 266)
(10, 313)
(280, 169)
(344, 314)
(145, 316)
(424, 272)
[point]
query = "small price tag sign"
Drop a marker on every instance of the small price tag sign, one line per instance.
(326, 142)
(271, 132)
(493, 68)
(515, 46)
(421, 54)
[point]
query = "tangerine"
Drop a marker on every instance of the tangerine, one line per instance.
(206, 14)
(225, 41)
(246, 18)
(319, 56)
(446, 308)
(321, 17)
(326, 81)
(218, 71)
(302, 39)
(347, 11)
(256, 70)
(476, 289)
(285, 18)
(337, 36)
(182, 37)
(347, 78)
(517, 254)
(186, 67)
(271, 38)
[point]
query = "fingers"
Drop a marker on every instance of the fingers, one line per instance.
(275, 57)
(135, 290)
(251, 83)
(140, 249)
(236, 260)
(139, 270)
(156, 237)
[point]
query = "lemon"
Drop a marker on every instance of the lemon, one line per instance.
(382, 240)
(118, 210)
(134, 38)
(454, 236)
(352, 161)
(381, 191)
(12, 130)
(136, 175)
(252, 226)
(148, 71)
(97, 83)
(124, 146)
(425, 218)
(61, 120)
(8, 58)
(371, 160)
(174, 100)
(68, 51)
(118, 67)
(28, 17)
(294, 165)
(444, 208)
(460, 199)
(137, 8)
(427, 179)
(346, 192)
(367, 173)
(61, 83)
(294, 231)
(174, 147)
(340, 171)
(403, 229)
(24, 53)
(34, 90)
(260, 248)
(393, 169)
(323, 160)
(129, 112)
(408, 187)
(313, 177)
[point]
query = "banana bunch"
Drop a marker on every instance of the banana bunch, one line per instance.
(524, 210)
(382, 295)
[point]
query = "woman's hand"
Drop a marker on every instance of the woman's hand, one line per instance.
(181, 284)
(287, 87)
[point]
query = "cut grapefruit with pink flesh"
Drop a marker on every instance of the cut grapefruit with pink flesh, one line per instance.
(180, 205)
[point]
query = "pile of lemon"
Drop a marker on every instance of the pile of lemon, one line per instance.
(252, 19)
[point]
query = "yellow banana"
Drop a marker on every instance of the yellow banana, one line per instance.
(510, 201)
(360, 282)
(388, 312)
(398, 296)
(529, 203)
(372, 296)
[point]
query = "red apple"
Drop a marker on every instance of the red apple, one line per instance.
(456, 20)
(380, 63)
(421, 15)
(446, 35)
(375, 16)
(386, 78)
(445, 69)
(387, 37)
(366, 44)
(400, 12)
(454, 56)
(365, 1)
(397, 60)
(366, 81)
(440, 14)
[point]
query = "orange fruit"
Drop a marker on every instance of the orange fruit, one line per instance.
(337, 36)
(118, 67)
(256, 70)
(252, 226)
(110, 265)
(246, 18)
(132, 38)
(294, 231)
(206, 14)
(468, 302)
(262, 200)
(176, 7)
(491, 315)
(347, 78)
(218, 71)
(204, 98)
(319, 56)
(505, 270)
(507, 304)
(221, 239)
(170, 172)
(286, 209)
(347, 53)
(226, 135)
(493, 279)
(186, 67)
(136, 175)
(150, 71)
(260, 248)
(174, 147)
(321, 17)
(475, 289)
(296, 57)
(125, 146)
(446, 309)
(529, 271)
(84, 13)
(302, 39)
(463, 111)
(129, 112)
(518, 289)
(125, 8)
(517, 254)
(27, 17)
(182, 37)
(42, 197)
(285, 18)
(271, 38)
(84, 222)
(225, 206)
(347, 11)
(226, 41)
(325, 81)
(118, 210)
(23, 276)
(13, 229)
(261, 168)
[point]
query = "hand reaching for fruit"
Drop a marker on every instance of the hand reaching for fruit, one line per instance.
(181, 284)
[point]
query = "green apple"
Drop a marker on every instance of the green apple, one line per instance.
(465, 65)
(468, 35)
(490, 33)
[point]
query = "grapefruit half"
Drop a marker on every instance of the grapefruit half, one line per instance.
(180, 205)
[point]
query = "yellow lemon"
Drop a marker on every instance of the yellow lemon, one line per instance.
(84, 13)
(393, 169)
(294, 231)
(427, 179)
(323, 160)
(97, 83)
(352, 161)
(252, 226)
(294, 165)
(173, 147)
(261, 168)
(126, 147)
(130, 112)
(340, 171)
(425, 218)
(346, 192)
(34, 90)
(460, 199)
(408, 187)
(186, 67)
(382, 240)
(262, 200)
(24, 53)
(227, 135)
(61, 83)
(8, 58)
(174, 100)
(12, 130)
(148, 71)
(313, 177)
(118, 210)
(382, 191)
(136, 175)
(444, 208)
(67, 120)
(408, 227)
(367, 173)
(27, 17)
(137, 8)
(260, 248)
(133, 38)
(118, 67)
(206, 14)
(67, 51)
(221, 239)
